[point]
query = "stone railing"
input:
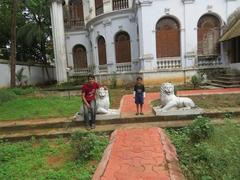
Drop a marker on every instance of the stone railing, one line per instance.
(81, 70)
(74, 24)
(123, 67)
(71, 19)
(87, 70)
(207, 61)
(103, 68)
(119, 4)
(169, 63)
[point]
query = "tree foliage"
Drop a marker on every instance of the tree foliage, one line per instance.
(5, 24)
(33, 30)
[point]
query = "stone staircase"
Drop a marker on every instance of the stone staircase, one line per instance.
(230, 79)
(20, 130)
(51, 128)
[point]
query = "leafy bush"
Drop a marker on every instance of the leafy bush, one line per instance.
(20, 77)
(196, 81)
(200, 129)
(216, 157)
(6, 95)
(87, 145)
(11, 94)
(23, 91)
(77, 80)
(113, 83)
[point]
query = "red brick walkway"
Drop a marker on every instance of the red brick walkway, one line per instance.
(128, 103)
(139, 154)
(128, 106)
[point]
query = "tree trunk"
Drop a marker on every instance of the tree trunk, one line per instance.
(44, 55)
(13, 43)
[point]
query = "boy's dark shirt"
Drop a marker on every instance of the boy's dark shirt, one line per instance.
(139, 88)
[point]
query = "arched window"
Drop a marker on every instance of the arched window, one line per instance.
(76, 10)
(208, 35)
(102, 51)
(122, 47)
(79, 57)
(98, 7)
(167, 38)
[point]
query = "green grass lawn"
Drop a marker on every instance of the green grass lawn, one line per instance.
(18, 104)
(214, 158)
(47, 159)
(39, 107)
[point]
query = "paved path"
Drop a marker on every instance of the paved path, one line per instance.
(128, 106)
(208, 91)
(139, 154)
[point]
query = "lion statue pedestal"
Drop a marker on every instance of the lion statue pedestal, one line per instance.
(173, 105)
(103, 105)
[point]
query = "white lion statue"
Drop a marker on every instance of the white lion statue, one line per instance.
(171, 102)
(102, 101)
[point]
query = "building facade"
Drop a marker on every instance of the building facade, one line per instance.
(162, 40)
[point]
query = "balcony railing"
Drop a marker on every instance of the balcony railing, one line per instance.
(72, 21)
(120, 4)
(81, 70)
(169, 63)
(103, 68)
(123, 67)
(88, 70)
(207, 61)
(74, 24)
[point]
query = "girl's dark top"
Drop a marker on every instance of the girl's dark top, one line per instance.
(139, 88)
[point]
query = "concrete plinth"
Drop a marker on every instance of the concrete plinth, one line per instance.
(112, 114)
(179, 112)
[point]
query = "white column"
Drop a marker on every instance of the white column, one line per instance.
(189, 35)
(110, 46)
(59, 40)
(146, 37)
(107, 6)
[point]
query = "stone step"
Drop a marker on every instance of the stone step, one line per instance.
(6, 127)
(228, 78)
(222, 85)
(65, 126)
(226, 82)
(53, 133)
(35, 124)
(232, 74)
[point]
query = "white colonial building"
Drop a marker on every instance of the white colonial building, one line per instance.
(161, 40)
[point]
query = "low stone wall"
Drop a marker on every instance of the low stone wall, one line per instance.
(150, 77)
(35, 73)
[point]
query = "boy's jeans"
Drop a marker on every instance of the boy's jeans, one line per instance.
(90, 113)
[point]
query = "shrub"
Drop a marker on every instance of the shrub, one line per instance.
(196, 81)
(20, 77)
(217, 157)
(87, 145)
(200, 129)
(6, 95)
(23, 91)
(113, 83)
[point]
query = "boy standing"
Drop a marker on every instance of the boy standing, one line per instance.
(89, 101)
(139, 95)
